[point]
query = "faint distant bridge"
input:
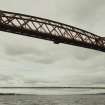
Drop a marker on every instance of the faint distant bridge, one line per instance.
(49, 30)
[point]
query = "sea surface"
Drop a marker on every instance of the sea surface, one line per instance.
(40, 96)
(52, 99)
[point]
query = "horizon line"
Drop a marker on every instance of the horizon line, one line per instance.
(82, 87)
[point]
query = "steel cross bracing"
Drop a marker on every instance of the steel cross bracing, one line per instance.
(49, 30)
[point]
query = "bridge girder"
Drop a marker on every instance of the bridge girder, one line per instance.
(49, 30)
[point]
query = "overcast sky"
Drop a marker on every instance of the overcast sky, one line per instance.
(26, 61)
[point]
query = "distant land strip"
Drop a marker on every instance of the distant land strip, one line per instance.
(53, 87)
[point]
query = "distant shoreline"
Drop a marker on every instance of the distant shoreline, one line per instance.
(52, 87)
(48, 94)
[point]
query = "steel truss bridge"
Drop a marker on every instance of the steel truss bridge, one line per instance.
(49, 30)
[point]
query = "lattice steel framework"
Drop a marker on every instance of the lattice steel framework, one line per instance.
(49, 30)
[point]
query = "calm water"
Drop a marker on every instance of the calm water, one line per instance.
(56, 96)
(52, 99)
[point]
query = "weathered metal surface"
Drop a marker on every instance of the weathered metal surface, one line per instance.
(49, 30)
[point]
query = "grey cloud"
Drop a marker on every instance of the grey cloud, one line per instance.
(4, 77)
(18, 50)
(88, 8)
